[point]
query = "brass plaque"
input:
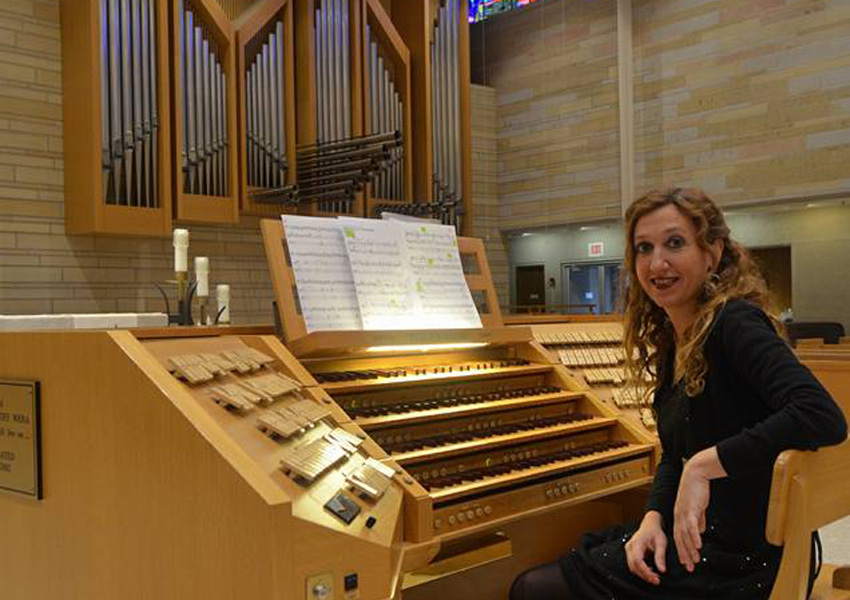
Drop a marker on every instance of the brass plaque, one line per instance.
(20, 438)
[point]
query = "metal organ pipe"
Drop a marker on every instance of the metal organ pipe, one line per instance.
(445, 108)
(203, 102)
(385, 116)
(333, 85)
(128, 94)
(265, 110)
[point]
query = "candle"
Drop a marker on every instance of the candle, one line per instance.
(202, 272)
(222, 292)
(181, 247)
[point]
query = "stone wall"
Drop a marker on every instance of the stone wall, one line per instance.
(554, 70)
(485, 198)
(749, 99)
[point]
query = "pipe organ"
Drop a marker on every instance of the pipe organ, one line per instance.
(198, 115)
(333, 67)
(265, 130)
(445, 109)
(117, 125)
(267, 110)
(204, 108)
(130, 118)
(333, 173)
(387, 92)
(204, 102)
(386, 114)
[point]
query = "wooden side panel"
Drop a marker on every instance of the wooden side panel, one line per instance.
(482, 280)
(283, 280)
(137, 502)
(305, 71)
(81, 74)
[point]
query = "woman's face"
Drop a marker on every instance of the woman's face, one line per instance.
(670, 266)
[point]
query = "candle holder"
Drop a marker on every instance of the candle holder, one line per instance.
(185, 293)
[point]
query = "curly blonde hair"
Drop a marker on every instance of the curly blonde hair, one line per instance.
(648, 333)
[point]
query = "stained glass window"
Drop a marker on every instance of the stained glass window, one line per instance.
(482, 9)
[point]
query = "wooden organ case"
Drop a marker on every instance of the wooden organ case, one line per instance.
(499, 452)
(207, 110)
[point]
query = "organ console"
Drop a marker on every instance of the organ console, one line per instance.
(591, 349)
(485, 429)
(346, 464)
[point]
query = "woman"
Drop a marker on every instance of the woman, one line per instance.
(729, 397)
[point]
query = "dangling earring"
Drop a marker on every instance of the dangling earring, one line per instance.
(709, 286)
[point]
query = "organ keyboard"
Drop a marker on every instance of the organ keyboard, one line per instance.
(486, 434)
(591, 350)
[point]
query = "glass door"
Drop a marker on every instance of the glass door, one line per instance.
(591, 287)
(582, 288)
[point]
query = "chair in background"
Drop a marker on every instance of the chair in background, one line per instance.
(830, 333)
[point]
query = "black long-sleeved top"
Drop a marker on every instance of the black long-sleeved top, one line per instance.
(758, 400)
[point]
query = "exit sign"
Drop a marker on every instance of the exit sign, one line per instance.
(595, 249)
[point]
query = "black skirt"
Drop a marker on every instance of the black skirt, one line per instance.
(597, 569)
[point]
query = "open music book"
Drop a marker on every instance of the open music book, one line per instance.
(367, 274)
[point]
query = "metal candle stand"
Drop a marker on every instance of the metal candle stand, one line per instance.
(183, 316)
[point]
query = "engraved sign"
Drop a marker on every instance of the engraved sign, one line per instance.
(20, 443)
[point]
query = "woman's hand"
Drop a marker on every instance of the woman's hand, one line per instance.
(648, 538)
(691, 504)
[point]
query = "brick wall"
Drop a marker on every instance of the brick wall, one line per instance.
(41, 269)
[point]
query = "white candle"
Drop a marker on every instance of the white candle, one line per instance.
(202, 272)
(222, 293)
(181, 247)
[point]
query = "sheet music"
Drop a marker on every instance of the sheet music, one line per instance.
(322, 274)
(434, 261)
(376, 250)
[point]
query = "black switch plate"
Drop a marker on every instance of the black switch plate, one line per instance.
(350, 582)
(343, 507)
